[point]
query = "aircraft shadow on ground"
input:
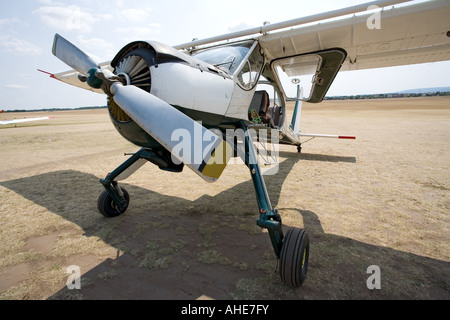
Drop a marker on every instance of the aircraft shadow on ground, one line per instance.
(322, 157)
(172, 248)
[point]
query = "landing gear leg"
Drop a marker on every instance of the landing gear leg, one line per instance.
(269, 217)
(292, 250)
(114, 200)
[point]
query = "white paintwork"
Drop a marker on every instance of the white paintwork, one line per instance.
(408, 35)
(238, 107)
(289, 23)
(161, 121)
(130, 170)
(71, 77)
(316, 135)
(23, 120)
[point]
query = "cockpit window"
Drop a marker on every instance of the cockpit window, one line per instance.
(236, 59)
(249, 73)
(227, 58)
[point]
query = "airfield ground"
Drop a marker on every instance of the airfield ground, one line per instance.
(382, 199)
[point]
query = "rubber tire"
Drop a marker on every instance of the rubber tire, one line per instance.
(294, 257)
(106, 206)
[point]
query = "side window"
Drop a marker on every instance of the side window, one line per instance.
(274, 95)
(249, 74)
(277, 99)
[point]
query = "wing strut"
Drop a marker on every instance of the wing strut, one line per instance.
(291, 23)
(295, 123)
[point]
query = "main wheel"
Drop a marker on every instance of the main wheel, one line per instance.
(294, 257)
(107, 207)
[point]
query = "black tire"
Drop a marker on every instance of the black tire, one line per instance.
(294, 257)
(107, 207)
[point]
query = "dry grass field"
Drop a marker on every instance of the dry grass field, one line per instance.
(382, 199)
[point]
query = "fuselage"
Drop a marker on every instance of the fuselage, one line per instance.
(214, 85)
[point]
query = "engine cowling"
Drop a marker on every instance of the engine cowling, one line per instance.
(175, 77)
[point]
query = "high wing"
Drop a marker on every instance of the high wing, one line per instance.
(408, 34)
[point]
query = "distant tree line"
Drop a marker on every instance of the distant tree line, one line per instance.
(353, 97)
(389, 95)
(56, 109)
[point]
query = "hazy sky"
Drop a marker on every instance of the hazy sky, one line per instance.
(102, 27)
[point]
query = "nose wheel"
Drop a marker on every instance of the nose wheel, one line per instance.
(294, 257)
(107, 207)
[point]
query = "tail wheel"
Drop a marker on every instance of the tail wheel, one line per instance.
(294, 257)
(107, 207)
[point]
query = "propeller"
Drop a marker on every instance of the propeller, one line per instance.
(72, 56)
(200, 149)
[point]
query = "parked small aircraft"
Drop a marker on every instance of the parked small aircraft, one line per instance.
(3, 122)
(159, 96)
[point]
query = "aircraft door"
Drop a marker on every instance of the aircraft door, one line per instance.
(316, 72)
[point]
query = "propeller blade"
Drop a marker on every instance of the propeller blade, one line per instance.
(68, 53)
(200, 149)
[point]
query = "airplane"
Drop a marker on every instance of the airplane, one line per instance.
(180, 103)
(4, 122)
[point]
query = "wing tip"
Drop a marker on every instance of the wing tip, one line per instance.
(46, 72)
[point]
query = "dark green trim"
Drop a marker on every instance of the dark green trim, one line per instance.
(209, 120)
(269, 217)
(158, 158)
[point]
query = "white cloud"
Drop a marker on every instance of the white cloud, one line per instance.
(70, 18)
(139, 33)
(12, 44)
(16, 86)
(98, 49)
(135, 15)
(7, 21)
(120, 3)
(242, 25)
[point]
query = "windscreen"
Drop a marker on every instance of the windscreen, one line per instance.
(227, 57)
